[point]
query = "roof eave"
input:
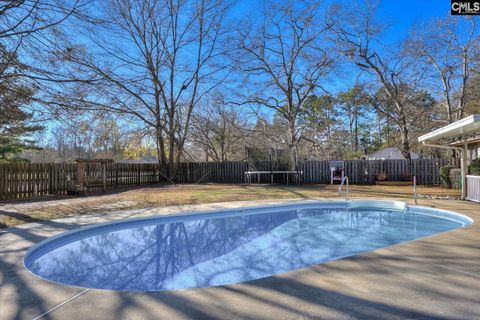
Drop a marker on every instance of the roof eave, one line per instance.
(461, 128)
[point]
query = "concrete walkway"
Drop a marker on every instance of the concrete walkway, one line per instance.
(434, 278)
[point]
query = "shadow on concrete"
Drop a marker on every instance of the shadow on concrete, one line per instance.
(19, 216)
(26, 300)
(28, 235)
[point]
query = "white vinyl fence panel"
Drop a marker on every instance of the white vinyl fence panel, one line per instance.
(473, 188)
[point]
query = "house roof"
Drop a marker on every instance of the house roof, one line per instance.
(94, 160)
(392, 153)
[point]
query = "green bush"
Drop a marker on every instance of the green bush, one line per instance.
(445, 176)
(474, 167)
(455, 177)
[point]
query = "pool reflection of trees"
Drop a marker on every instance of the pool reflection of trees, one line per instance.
(145, 257)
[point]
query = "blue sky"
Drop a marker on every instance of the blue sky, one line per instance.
(400, 13)
(403, 13)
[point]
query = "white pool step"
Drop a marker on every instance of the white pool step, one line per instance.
(378, 204)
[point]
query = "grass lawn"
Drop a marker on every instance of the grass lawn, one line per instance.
(15, 213)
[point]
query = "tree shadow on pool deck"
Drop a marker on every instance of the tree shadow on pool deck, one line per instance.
(27, 303)
(323, 291)
(248, 301)
(27, 234)
(18, 216)
(390, 290)
(372, 286)
(19, 289)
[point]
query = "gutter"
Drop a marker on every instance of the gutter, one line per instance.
(441, 146)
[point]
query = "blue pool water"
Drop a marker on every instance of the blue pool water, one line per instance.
(209, 249)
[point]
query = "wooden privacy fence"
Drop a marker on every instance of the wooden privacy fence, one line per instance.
(197, 172)
(109, 176)
(25, 180)
(366, 171)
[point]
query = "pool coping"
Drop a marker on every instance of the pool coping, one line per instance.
(57, 226)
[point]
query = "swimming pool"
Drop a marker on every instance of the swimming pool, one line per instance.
(230, 246)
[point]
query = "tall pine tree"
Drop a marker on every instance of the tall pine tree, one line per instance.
(16, 125)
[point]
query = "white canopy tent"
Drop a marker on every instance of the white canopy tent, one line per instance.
(463, 132)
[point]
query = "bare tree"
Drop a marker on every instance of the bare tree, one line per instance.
(20, 18)
(219, 131)
(23, 24)
(321, 118)
(393, 74)
(285, 58)
(449, 47)
(152, 61)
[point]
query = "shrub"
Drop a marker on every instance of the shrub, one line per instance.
(445, 176)
(474, 167)
(455, 176)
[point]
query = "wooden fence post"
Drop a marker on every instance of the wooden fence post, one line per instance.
(80, 173)
(104, 176)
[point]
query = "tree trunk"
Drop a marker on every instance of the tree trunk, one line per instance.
(351, 130)
(171, 156)
(405, 143)
(293, 144)
(356, 132)
(161, 154)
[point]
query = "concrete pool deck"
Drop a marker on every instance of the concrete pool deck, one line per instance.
(432, 278)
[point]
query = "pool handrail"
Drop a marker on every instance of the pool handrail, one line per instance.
(415, 189)
(344, 179)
